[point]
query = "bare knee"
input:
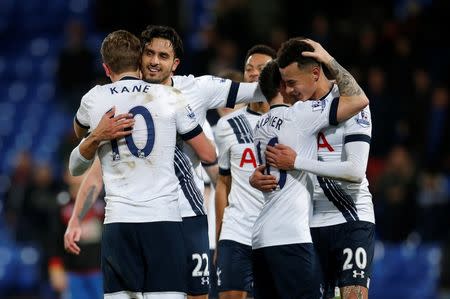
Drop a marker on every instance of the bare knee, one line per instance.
(354, 292)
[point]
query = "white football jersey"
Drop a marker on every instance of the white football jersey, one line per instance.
(234, 135)
(334, 201)
(138, 171)
(204, 93)
(284, 218)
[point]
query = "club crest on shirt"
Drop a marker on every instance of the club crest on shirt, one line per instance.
(190, 112)
(363, 119)
(318, 105)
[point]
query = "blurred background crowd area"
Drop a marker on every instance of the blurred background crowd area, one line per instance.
(397, 50)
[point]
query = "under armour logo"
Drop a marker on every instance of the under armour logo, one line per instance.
(355, 274)
(205, 280)
(322, 291)
(218, 272)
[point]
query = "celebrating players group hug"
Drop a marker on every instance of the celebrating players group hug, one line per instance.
(294, 215)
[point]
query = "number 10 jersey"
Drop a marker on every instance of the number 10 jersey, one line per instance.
(138, 170)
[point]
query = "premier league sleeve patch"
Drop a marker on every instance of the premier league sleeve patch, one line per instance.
(318, 105)
(190, 112)
(363, 119)
(215, 78)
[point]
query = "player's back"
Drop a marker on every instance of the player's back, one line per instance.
(138, 171)
(234, 135)
(284, 218)
(338, 201)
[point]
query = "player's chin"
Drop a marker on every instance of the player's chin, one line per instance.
(152, 78)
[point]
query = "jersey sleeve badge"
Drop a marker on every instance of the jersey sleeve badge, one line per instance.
(318, 105)
(363, 119)
(190, 112)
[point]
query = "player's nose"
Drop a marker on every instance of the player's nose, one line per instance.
(154, 60)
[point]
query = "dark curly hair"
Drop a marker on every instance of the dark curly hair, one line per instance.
(261, 49)
(269, 80)
(291, 51)
(165, 32)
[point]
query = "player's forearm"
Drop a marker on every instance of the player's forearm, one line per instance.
(77, 163)
(353, 169)
(213, 172)
(89, 146)
(249, 93)
(89, 190)
(221, 202)
(353, 98)
(348, 87)
(338, 170)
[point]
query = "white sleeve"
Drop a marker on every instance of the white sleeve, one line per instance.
(186, 122)
(77, 163)
(352, 169)
(249, 93)
(82, 116)
(359, 125)
(313, 116)
(224, 141)
(219, 92)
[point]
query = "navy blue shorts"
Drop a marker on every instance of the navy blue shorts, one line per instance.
(234, 264)
(143, 257)
(285, 272)
(345, 252)
(195, 232)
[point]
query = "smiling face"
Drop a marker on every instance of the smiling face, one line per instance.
(301, 84)
(254, 65)
(158, 61)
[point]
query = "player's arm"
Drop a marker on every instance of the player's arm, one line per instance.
(262, 182)
(352, 97)
(192, 133)
(212, 170)
(353, 169)
(80, 130)
(87, 194)
(110, 127)
(225, 140)
(202, 146)
(223, 188)
(219, 92)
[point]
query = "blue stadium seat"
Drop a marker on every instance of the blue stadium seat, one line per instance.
(39, 46)
(23, 67)
(17, 91)
(404, 271)
(2, 65)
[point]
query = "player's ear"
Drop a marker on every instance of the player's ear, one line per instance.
(176, 62)
(316, 73)
(106, 69)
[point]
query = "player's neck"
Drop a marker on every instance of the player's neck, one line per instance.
(260, 107)
(277, 100)
(117, 77)
(323, 88)
(168, 81)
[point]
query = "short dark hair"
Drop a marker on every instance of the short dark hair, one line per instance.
(269, 80)
(261, 49)
(165, 32)
(291, 51)
(121, 51)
